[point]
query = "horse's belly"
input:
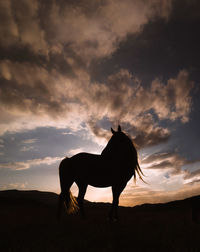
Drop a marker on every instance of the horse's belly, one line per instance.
(100, 183)
(98, 179)
(95, 177)
(103, 179)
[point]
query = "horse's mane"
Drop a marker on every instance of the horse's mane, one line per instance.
(136, 166)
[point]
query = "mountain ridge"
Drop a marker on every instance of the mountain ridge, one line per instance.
(23, 194)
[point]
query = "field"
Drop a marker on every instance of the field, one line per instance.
(28, 223)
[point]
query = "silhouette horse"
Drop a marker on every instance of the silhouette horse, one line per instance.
(115, 166)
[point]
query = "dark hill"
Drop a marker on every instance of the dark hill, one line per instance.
(28, 223)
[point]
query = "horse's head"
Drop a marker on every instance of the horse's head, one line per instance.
(119, 144)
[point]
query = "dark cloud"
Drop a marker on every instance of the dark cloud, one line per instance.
(156, 136)
(28, 88)
(52, 47)
(171, 161)
(31, 89)
(92, 29)
(161, 48)
(21, 54)
(98, 131)
(124, 100)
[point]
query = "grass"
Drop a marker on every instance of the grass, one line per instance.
(28, 223)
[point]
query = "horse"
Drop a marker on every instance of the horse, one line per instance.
(114, 167)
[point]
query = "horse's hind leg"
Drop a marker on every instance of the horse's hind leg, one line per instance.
(64, 197)
(80, 199)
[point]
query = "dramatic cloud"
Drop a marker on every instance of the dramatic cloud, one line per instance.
(170, 171)
(90, 29)
(19, 186)
(122, 99)
(27, 164)
(29, 90)
(46, 75)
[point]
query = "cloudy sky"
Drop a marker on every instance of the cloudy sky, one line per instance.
(70, 70)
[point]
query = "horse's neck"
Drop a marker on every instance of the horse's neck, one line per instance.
(108, 155)
(108, 151)
(113, 154)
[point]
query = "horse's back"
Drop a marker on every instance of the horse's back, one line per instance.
(82, 162)
(86, 162)
(87, 157)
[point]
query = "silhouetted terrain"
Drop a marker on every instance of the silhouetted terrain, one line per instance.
(28, 223)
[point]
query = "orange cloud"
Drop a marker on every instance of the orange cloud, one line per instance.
(27, 164)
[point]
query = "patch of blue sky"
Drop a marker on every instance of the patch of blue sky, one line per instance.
(48, 142)
(104, 123)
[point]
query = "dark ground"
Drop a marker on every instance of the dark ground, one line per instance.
(28, 223)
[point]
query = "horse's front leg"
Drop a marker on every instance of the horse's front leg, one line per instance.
(80, 199)
(116, 191)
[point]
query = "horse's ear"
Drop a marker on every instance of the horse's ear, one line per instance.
(112, 130)
(119, 129)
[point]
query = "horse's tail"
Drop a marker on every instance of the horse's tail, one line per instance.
(66, 198)
(139, 172)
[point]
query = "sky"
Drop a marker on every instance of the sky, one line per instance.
(71, 70)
